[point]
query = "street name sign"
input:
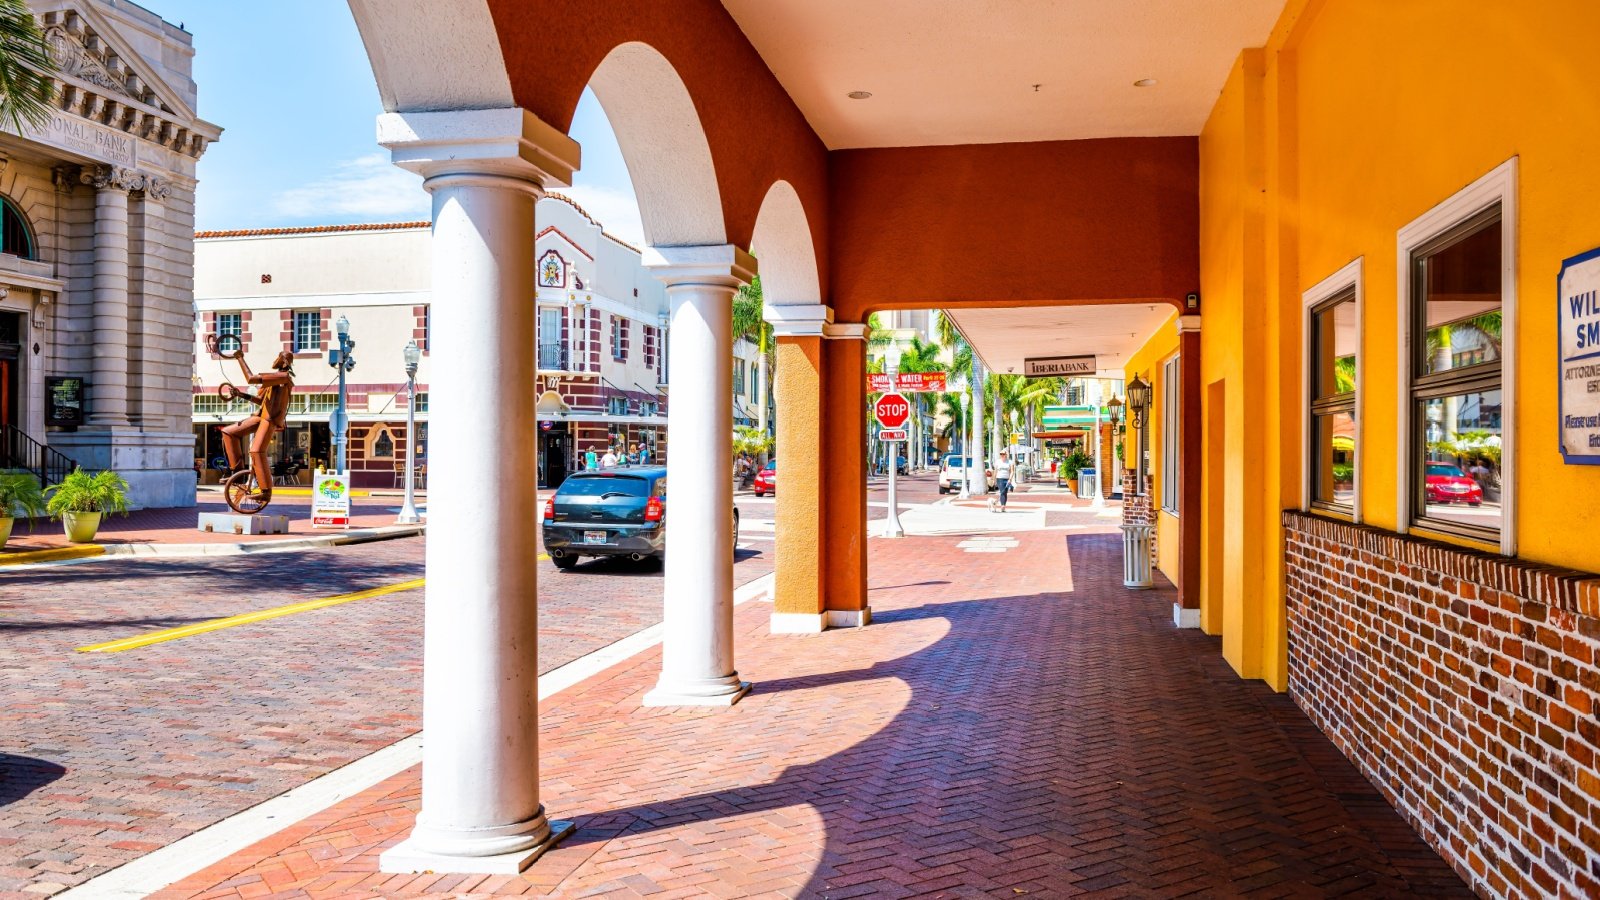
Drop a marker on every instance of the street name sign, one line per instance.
(907, 382)
(1578, 330)
(892, 411)
(892, 434)
(1045, 366)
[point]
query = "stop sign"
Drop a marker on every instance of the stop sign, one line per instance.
(892, 410)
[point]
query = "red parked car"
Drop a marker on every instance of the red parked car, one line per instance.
(767, 480)
(1445, 483)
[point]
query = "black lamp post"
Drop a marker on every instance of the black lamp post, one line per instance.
(1138, 408)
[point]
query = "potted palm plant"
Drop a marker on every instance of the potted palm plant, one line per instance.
(19, 492)
(81, 499)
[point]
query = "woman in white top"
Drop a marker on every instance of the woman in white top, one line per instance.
(1002, 477)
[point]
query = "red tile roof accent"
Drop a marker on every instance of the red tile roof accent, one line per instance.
(312, 229)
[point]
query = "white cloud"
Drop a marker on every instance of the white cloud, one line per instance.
(367, 188)
(617, 211)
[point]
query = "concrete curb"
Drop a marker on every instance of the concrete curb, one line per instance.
(147, 550)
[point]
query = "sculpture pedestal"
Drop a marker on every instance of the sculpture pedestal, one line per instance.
(233, 523)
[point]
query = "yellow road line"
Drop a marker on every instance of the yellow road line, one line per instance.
(22, 557)
(173, 634)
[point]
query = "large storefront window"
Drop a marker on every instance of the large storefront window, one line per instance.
(1457, 416)
(1333, 403)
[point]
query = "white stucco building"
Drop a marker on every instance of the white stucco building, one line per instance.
(601, 352)
(96, 266)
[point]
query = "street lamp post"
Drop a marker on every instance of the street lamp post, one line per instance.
(342, 360)
(1113, 413)
(408, 511)
(966, 451)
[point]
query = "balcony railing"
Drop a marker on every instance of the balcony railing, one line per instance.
(554, 358)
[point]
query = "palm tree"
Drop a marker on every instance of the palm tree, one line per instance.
(27, 68)
(749, 321)
(920, 356)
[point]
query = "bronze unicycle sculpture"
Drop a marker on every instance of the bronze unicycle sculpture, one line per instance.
(248, 489)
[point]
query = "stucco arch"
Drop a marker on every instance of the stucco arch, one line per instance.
(664, 145)
(782, 242)
(434, 54)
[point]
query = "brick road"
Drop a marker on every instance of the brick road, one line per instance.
(1019, 726)
(106, 756)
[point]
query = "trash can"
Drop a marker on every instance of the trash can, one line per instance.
(1136, 557)
(1086, 482)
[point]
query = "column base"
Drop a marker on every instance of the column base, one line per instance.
(849, 618)
(798, 623)
(671, 695)
(813, 623)
(407, 857)
(1185, 618)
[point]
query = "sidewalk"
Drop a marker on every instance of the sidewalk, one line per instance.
(1023, 728)
(159, 527)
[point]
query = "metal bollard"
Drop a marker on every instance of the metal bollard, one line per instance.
(1136, 557)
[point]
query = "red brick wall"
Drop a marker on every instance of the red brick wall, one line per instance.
(1464, 685)
(1137, 508)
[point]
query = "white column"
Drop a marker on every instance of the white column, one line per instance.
(481, 811)
(697, 647)
(980, 482)
(108, 392)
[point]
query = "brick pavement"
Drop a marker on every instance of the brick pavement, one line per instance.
(1021, 727)
(104, 757)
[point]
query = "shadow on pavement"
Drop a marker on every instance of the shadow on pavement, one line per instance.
(22, 775)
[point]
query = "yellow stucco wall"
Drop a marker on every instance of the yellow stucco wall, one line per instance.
(1148, 362)
(1358, 117)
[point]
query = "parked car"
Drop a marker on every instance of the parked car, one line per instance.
(767, 479)
(613, 512)
(951, 472)
(1446, 483)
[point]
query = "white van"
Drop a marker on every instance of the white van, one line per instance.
(951, 472)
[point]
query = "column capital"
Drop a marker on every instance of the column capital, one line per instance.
(846, 331)
(807, 320)
(508, 142)
(1187, 323)
(113, 178)
(719, 265)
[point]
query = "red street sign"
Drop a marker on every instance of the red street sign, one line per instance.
(892, 434)
(892, 410)
(907, 382)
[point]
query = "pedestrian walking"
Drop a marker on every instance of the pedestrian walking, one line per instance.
(591, 460)
(1002, 477)
(609, 461)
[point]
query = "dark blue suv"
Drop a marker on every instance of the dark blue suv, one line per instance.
(612, 512)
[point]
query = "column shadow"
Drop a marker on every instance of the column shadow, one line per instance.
(22, 775)
(1072, 741)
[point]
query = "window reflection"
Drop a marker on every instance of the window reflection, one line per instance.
(1461, 284)
(1334, 463)
(1461, 458)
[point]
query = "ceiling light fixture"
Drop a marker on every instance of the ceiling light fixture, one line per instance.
(859, 95)
(1145, 82)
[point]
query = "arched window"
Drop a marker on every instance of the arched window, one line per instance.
(16, 237)
(381, 443)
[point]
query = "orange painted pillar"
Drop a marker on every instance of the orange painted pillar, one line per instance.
(844, 412)
(797, 604)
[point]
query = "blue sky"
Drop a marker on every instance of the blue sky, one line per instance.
(298, 146)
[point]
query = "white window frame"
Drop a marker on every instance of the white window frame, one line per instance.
(294, 334)
(1498, 187)
(1349, 276)
(237, 319)
(1171, 432)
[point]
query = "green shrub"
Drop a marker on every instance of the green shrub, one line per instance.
(20, 493)
(80, 492)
